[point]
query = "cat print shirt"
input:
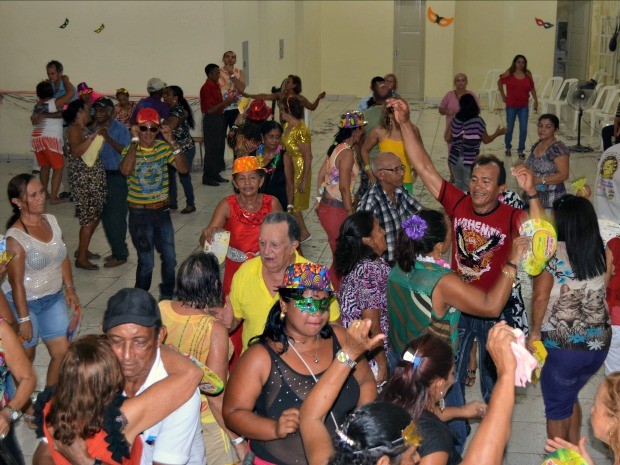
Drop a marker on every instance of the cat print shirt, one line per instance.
(577, 317)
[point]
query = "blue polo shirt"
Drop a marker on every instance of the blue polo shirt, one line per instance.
(111, 158)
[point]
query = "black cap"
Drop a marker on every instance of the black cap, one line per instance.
(103, 102)
(131, 305)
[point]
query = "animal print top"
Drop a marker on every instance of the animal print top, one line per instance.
(577, 317)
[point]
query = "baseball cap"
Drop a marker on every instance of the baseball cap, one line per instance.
(147, 114)
(155, 84)
(131, 305)
(103, 102)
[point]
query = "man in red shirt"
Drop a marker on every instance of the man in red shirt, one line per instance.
(212, 105)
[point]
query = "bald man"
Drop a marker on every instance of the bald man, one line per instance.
(388, 200)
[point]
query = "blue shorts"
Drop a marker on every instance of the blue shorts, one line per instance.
(563, 375)
(48, 316)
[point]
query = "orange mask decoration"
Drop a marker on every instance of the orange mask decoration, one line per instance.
(435, 18)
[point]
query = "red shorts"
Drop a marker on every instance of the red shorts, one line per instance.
(46, 157)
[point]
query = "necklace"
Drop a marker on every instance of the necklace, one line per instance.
(316, 349)
(296, 341)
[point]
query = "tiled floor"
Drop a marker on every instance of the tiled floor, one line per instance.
(94, 288)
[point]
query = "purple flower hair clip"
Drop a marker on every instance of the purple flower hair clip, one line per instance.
(415, 227)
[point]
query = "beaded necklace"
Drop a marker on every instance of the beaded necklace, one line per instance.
(271, 166)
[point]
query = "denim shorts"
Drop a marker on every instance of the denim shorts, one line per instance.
(48, 316)
(563, 375)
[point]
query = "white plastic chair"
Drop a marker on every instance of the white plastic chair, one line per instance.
(559, 102)
(607, 113)
(603, 94)
(537, 78)
(551, 89)
(489, 87)
(601, 76)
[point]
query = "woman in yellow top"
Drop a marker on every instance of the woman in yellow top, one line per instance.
(193, 327)
(387, 135)
(296, 141)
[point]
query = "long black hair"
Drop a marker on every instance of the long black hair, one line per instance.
(468, 108)
(274, 327)
(577, 226)
(16, 190)
(72, 110)
(178, 92)
(350, 249)
(408, 249)
(342, 135)
(198, 281)
(369, 433)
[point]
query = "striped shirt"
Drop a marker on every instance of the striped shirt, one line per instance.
(149, 181)
(466, 139)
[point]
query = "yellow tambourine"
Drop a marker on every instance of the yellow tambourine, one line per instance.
(564, 457)
(210, 382)
(544, 244)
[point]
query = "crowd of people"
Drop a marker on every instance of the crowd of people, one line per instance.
(275, 359)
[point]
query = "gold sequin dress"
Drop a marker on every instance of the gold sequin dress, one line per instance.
(299, 134)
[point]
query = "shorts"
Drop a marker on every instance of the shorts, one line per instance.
(218, 447)
(49, 158)
(563, 375)
(48, 316)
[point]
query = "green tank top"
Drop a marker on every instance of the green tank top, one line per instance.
(410, 307)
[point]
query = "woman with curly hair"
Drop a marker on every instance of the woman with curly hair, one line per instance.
(88, 406)
(363, 288)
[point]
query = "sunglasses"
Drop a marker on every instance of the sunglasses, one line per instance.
(311, 305)
(153, 129)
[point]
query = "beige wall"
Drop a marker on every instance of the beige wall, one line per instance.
(357, 43)
(483, 41)
(439, 50)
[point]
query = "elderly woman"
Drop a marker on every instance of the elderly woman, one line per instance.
(387, 136)
(549, 161)
(363, 288)
(124, 108)
(181, 120)
(570, 314)
(339, 173)
(278, 167)
(87, 406)
(278, 371)
(449, 107)
(13, 361)
(40, 285)
(242, 215)
(192, 327)
(297, 142)
(88, 183)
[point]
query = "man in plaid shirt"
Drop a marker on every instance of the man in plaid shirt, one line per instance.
(388, 200)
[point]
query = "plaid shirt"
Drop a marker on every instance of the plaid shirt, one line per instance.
(390, 215)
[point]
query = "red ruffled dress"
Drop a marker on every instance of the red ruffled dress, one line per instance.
(244, 230)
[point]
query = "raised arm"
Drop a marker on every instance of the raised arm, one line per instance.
(414, 148)
(498, 132)
(488, 444)
(525, 179)
(311, 106)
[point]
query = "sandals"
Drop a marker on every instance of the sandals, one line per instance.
(470, 379)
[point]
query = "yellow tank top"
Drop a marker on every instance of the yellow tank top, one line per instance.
(397, 147)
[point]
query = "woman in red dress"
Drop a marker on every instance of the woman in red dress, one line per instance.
(242, 215)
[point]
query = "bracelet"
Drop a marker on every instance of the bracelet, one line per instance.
(176, 152)
(23, 320)
(514, 280)
(290, 207)
(68, 286)
(511, 265)
(238, 440)
(535, 196)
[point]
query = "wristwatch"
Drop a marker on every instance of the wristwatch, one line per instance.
(15, 414)
(343, 357)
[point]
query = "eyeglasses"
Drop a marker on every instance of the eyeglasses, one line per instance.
(311, 305)
(401, 168)
(153, 129)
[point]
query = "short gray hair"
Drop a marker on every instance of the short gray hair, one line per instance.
(294, 233)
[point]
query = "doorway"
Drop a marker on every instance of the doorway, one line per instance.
(409, 47)
(578, 40)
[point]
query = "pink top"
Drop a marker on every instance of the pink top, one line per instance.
(517, 90)
(332, 174)
(451, 102)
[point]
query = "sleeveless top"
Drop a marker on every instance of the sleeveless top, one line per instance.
(191, 334)
(398, 148)
(285, 388)
(410, 306)
(332, 174)
(42, 274)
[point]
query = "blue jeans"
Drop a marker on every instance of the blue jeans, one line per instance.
(511, 115)
(149, 230)
(186, 180)
(471, 328)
